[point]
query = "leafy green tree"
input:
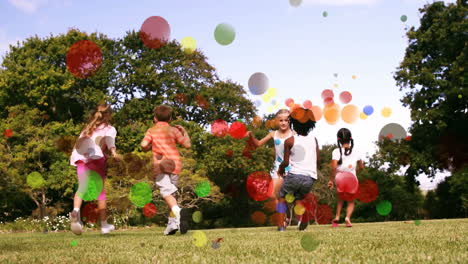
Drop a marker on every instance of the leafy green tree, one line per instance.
(433, 77)
(35, 73)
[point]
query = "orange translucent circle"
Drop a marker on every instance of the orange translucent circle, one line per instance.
(331, 113)
(315, 113)
(350, 114)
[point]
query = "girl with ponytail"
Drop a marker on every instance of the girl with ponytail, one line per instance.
(344, 161)
(97, 138)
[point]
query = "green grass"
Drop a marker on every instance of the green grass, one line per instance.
(435, 241)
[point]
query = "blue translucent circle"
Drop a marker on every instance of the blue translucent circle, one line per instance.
(368, 110)
(257, 103)
(279, 159)
(281, 208)
(287, 168)
(277, 141)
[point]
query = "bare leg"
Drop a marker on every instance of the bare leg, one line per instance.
(339, 205)
(170, 201)
(349, 212)
(102, 206)
(77, 201)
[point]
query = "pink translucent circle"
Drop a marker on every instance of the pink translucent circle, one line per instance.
(327, 93)
(345, 97)
(307, 104)
(219, 128)
(155, 32)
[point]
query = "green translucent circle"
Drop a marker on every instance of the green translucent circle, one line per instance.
(309, 243)
(197, 217)
(74, 243)
(417, 222)
(140, 194)
(325, 14)
(295, 3)
(384, 208)
(289, 198)
(35, 180)
(224, 34)
(199, 239)
(403, 18)
(202, 189)
(91, 186)
(460, 96)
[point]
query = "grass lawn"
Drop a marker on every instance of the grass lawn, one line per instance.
(434, 241)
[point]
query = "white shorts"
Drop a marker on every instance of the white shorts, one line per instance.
(167, 183)
(274, 172)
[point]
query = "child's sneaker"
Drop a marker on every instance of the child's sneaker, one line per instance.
(107, 228)
(184, 220)
(171, 227)
(76, 225)
(281, 228)
(303, 224)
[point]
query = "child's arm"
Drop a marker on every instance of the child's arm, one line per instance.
(183, 138)
(145, 145)
(258, 143)
(360, 166)
(288, 144)
(334, 165)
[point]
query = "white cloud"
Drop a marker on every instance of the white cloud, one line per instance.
(28, 6)
(31, 6)
(340, 2)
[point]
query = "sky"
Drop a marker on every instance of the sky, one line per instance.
(301, 51)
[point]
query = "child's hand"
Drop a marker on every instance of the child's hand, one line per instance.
(330, 184)
(281, 172)
(181, 129)
(116, 156)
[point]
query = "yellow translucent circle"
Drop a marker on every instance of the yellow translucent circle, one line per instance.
(299, 209)
(354, 77)
(386, 112)
(362, 116)
(335, 85)
(272, 92)
(289, 198)
(266, 97)
(171, 214)
(188, 44)
(199, 239)
(270, 109)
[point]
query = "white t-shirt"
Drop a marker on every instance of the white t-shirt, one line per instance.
(91, 148)
(303, 158)
(349, 162)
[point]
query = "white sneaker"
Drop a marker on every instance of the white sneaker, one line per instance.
(172, 226)
(107, 228)
(76, 225)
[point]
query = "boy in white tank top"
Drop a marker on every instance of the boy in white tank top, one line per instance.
(301, 153)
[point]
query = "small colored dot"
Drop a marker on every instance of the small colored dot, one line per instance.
(403, 18)
(460, 96)
(417, 222)
(141, 194)
(325, 14)
(202, 189)
(384, 208)
(295, 3)
(188, 44)
(224, 34)
(308, 243)
(8, 133)
(281, 208)
(199, 238)
(197, 217)
(290, 198)
(74, 243)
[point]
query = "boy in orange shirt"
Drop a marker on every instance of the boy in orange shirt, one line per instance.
(162, 139)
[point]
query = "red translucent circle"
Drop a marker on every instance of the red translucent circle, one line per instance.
(270, 206)
(90, 212)
(181, 98)
(327, 93)
(324, 214)
(328, 101)
(275, 219)
(83, 59)
(345, 97)
(368, 191)
(8, 133)
(346, 182)
(309, 202)
(258, 217)
(237, 130)
(155, 32)
(408, 138)
(307, 104)
(288, 102)
(259, 185)
(390, 135)
(219, 128)
(201, 101)
(149, 210)
(229, 153)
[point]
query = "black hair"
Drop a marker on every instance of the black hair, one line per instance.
(344, 137)
(301, 123)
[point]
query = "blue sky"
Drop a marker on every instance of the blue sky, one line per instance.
(296, 47)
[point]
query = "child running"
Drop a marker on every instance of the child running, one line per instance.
(341, 164)
(89, 155)
(301, 153)
(278, 136)
(162, 139)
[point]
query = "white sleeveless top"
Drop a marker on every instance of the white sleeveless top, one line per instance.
(279, 153)
(303, 158)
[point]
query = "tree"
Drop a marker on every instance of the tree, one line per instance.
(35, 73)
(433, 76)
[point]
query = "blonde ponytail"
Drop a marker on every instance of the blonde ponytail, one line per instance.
(102, 115)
